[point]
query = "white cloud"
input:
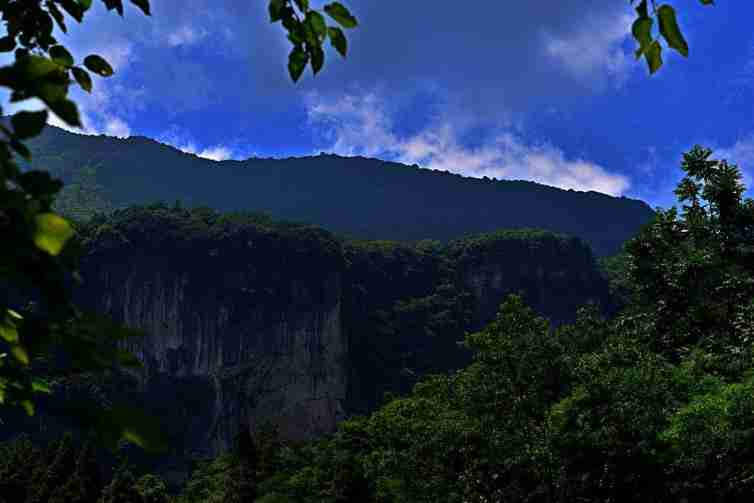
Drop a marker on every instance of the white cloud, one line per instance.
(740, 153)
(357, 125)
(214, 153)
(186, 35)
(118, 128)
(591, 53)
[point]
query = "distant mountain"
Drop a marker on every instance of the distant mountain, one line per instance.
(352, 196)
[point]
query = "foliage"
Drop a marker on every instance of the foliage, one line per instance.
(652, 405)
(642, 28)
(138, 171)
(39, 264)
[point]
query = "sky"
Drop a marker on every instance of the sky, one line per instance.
(530, 89)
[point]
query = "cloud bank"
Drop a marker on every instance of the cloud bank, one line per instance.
(358, 125)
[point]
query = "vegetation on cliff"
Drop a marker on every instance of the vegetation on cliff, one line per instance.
(424, 204)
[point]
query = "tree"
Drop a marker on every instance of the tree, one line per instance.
(37, 262)
(696, 273)
(122, 488)
(152, 489)
(247, 466)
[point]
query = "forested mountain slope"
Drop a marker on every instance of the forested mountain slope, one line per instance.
(345, 195)
(249, 319)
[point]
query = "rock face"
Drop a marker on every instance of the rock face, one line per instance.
(249, 322)
(236, 332)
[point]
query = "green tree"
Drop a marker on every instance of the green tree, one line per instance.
(40, 261)
(85, 486)
(57, 473)
(122, 488)
(152, 489)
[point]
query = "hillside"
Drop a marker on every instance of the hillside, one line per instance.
(345, 195)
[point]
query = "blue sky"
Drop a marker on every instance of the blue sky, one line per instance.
(536, 90)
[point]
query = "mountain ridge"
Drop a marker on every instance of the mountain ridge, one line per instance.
(346, 195)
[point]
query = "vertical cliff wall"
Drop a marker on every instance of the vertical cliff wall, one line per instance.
(242, 323)
(249, 320)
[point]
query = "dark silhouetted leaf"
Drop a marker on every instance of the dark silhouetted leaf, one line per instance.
(654, 56)
(276, 10)
(61, 56)
(114, 4)
(66, 110)
(83, 78)
(338, 40)
(28, 124)
(7, 44)
(297, 61)
(340, 14)
(143, 5)
(98, 65)
(670, 30)
(317, 23)
(642, 32)
(318, 58)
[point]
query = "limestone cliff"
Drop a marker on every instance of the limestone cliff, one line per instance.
(247, 320)
(240, 327)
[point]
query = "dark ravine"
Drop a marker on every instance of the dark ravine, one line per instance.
(249, 321)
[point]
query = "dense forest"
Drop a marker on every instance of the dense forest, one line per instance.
(425, 204)
(424, 337)
(651, 404)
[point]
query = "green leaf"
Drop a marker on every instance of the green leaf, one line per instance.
(28, 124)
(61, 56)
(338, 40)
(642, 32)
(276, 10)
(57, 16)
(303, 5)
(653, 55)
(7, 44)
(85, 4)
(28, 407)
(66, 110)
(8, 332)
(134, 426)
(340, 14)
(670, 30)
(98, 65)
(114, 4)
(20, 354)
(35, 67)
(74, 9)
(297, 61)
(318, 58)
(143, 5)
(51, 232)
(40, 386)
(83, 78)
(317, 23)
(641, 10)
(706, 2)
(21, 149)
